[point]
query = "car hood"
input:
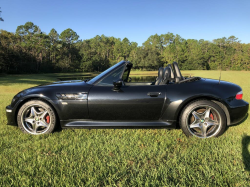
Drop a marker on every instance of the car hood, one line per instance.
(62, 83)
(50, 90)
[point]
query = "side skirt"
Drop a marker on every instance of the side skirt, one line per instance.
(117, 124)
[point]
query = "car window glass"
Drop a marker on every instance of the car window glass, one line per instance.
(93, 80)
(125, 75)
(111, 77)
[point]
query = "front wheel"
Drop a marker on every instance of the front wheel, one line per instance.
(203, 119)
(36, 117)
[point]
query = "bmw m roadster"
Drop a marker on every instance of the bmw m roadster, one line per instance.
(201, 107)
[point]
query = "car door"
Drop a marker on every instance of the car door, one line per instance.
(130, 103)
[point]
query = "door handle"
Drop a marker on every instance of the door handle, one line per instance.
(154, 94)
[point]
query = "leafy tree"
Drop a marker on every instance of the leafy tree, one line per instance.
(28, 28)
(29, 50)
(1, 19)
(69, 36)
(54, 44)
(68, 50)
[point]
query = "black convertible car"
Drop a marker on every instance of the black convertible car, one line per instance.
(201, 107)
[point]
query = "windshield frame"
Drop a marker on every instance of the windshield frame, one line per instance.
(102, 75)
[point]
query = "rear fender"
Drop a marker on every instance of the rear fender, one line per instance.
(173, 109)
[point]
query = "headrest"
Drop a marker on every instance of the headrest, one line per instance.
(177, 72)
(160, 76)
(167, 73)
(171, 71)
(160, 72)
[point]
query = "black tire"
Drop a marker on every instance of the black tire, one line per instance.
(36, 117)
(203, 119)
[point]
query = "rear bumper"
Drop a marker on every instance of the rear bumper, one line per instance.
(10, 116)
(237, 114)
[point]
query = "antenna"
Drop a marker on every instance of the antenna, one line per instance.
(220, 74)
(220, 66)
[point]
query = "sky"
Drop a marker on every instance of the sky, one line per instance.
(134, 19)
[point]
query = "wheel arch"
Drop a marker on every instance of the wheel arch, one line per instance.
(36, 98)
(210, 98)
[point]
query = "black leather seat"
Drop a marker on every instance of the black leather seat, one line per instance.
(166, 77)
(171, 71)
(177, 72)
(160, 76)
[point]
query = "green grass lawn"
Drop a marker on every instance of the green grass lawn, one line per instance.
(124, 157)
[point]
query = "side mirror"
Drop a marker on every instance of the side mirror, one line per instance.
(117, 84)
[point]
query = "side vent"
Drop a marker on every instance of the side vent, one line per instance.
(72, 96)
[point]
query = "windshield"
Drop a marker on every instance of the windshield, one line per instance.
(115, 75)
(92, 81)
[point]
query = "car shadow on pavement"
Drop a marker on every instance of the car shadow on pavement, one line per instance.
(246, 151)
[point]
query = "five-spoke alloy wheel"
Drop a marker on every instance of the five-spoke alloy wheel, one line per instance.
(203, 119)
(36, 117)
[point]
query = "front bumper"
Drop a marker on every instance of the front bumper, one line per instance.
(239, 113)
(10, 116)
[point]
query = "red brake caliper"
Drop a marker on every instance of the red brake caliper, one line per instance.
(211, 116)
(47, 119)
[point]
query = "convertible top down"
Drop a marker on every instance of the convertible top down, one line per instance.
(201, 107)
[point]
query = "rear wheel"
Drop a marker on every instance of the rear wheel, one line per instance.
(36, 117)
(203, 119)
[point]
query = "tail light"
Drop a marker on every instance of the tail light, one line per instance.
(239, 95)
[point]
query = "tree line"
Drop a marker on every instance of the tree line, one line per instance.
(29, 50)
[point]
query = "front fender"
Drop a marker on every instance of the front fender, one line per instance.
(14, 108)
